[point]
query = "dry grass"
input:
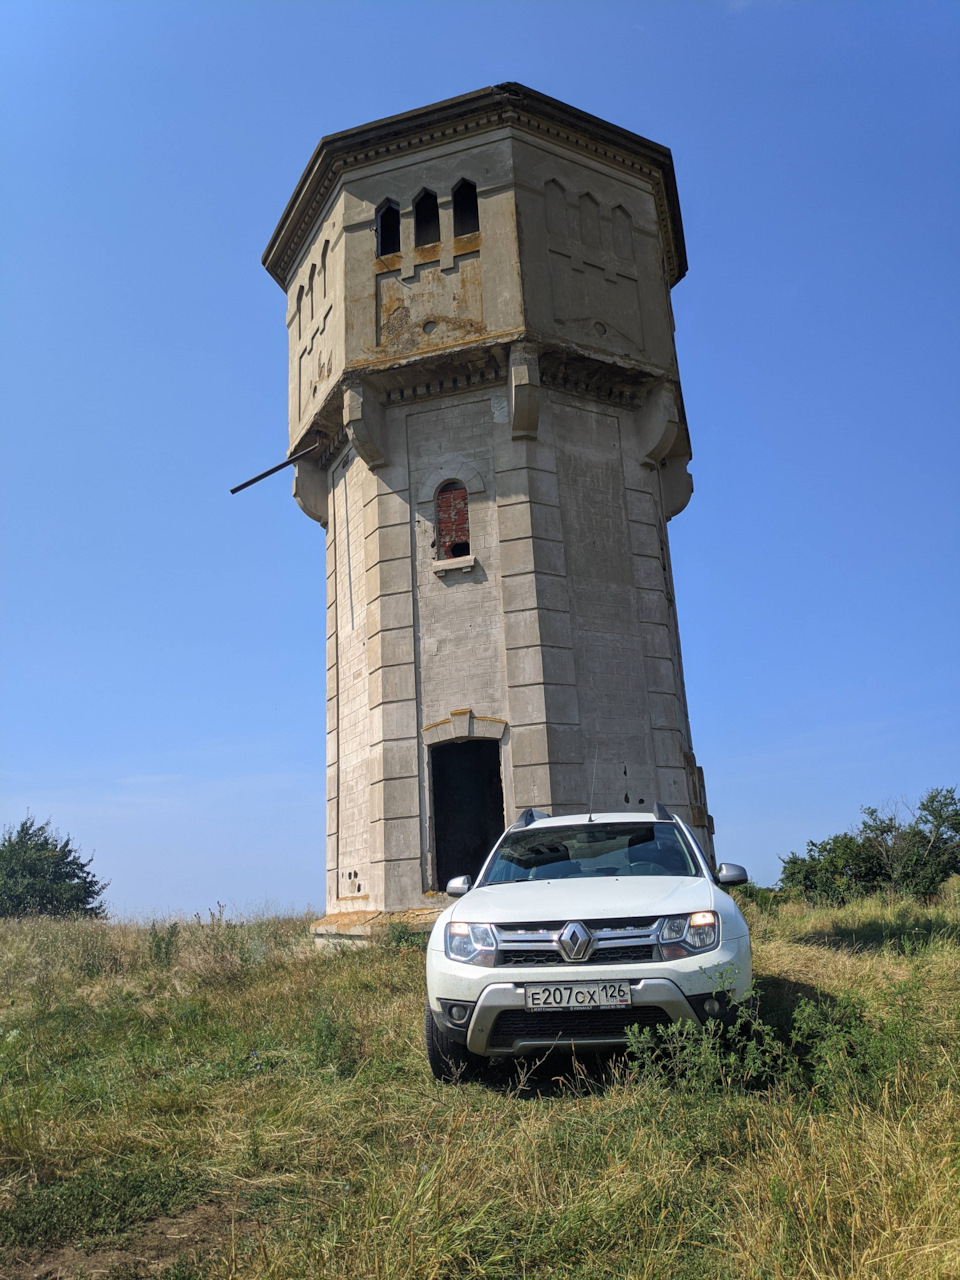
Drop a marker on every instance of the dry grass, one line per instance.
(144, 1072)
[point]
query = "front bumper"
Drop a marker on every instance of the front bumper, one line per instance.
(653, 1001)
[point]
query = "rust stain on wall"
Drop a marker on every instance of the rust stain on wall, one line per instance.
(436, 307)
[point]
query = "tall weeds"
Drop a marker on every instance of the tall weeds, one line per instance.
(146, 1068)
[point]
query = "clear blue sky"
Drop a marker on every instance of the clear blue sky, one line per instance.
(162, 641)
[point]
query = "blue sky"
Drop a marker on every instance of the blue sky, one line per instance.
(162, 640)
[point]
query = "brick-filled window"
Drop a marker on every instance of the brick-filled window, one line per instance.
(453, 521)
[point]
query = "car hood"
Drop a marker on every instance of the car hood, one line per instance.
(611, 897)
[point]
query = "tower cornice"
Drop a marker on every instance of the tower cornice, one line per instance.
(500, 106)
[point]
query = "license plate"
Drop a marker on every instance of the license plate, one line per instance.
(577, 995)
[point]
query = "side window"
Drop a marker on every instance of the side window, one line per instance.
(466, 214)
(388, 228)
(426, 219)
(453, 521)
(323, 269)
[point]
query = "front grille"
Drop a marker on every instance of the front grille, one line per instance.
(602, 955)
(535, 955)
(564, 1025)
(623, 955)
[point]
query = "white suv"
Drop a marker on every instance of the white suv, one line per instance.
(579, 927)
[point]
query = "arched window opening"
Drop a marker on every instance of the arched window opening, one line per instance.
(466, 214)
(388, 228)
(323, 269)
(453, 521)
(589, 221)
(426, 219)
(622, 233)
(556, 199)
(300, 313)
(310, 283)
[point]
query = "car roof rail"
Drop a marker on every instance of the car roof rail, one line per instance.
(662, 813)
(528, 816)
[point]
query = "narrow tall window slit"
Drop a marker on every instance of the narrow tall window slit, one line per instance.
(426, 219)
(388, 228)
(466, 214)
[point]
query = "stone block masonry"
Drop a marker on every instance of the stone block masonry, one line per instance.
(501, 445)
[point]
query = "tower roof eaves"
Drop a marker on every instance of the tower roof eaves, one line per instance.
(493, 107)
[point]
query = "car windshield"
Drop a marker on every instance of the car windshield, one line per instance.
(588, 850)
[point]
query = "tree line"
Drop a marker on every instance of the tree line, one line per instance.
(890, 851)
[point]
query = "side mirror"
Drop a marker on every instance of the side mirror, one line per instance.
(460, 885)
(729, 873)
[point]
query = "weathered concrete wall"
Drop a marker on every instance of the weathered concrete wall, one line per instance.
(315, 328)
(533, 362)
(592, 255)
(349, 308)
(348, 742)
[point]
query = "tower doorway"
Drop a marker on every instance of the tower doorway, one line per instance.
(467, 805)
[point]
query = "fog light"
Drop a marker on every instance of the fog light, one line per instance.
(457, 1012)
(711, 1007)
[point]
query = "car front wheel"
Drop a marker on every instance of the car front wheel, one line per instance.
(450, 1062)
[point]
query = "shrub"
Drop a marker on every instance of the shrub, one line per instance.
(42, 875)
(884, 853)
(741, 1054)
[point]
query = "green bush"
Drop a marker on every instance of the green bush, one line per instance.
(42, 875)
(884, 853)
(740, 1054)
(834, 1050)
(400, 935)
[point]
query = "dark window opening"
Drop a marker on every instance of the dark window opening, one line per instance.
(388, 229)
(467, 805)
(453, 521)
(426, 219)
(466, 214)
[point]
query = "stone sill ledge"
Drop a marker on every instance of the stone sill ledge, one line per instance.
(463, 563)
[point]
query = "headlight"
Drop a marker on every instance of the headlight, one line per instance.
(681, 935)
(471, 943)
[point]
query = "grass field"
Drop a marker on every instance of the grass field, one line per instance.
(213, 1100)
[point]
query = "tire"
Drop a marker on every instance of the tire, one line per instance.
(450, 1062)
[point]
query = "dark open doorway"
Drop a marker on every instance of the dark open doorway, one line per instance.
(467, 805)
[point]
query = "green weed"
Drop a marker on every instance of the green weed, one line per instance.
(816, 1137)
(99, 1204)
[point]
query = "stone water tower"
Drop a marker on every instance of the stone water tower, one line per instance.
(482, 362)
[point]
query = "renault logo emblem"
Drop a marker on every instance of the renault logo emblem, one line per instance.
(576, 941)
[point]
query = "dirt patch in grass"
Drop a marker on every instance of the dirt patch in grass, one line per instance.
(175, 1248)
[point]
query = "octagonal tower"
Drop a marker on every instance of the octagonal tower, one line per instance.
(482, 355)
